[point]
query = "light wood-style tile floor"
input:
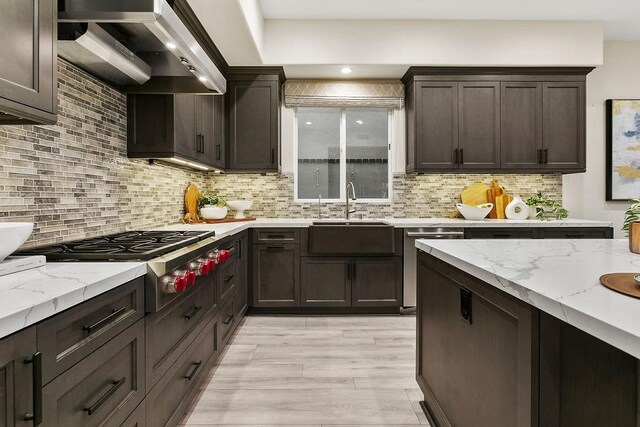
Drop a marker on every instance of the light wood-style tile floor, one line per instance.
(314, 371)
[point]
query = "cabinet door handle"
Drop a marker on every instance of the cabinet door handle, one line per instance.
(353, 270)
(193, 312)
(546, 156)
(348, 271)
(273, 156)
(202, 143)
(90, 409)
(466, 306)
(462, 156)
(457, 158)
(218, 151)
(540, 156)
(228, 319)
(36, 416)
(228, 278)
(100, 323)
(196, 366)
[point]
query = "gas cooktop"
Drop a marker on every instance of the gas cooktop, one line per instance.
(130, 245)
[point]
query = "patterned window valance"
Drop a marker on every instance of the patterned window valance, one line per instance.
(369, 94)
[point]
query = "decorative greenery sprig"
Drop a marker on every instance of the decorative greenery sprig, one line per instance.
(631, 214)
(206, 199)
(546, 207)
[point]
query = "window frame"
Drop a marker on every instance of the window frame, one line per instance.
(343, 160)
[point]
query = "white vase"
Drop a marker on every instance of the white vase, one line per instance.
(533, 212)
(517, 209)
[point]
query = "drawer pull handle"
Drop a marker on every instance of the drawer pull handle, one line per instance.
(193, 312)
(502, 236)
(274, 248)
(228, 319)
(36, 416)
(115, 386)
(228, 278)
(576, 235)
(100, 323)
(196, 366)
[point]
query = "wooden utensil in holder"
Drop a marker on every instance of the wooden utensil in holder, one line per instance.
(634, 237)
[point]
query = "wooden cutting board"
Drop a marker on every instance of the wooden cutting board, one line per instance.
(475, 194)
(623, 283)
(500, 199)
(191, 196)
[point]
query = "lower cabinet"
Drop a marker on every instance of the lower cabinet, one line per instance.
(17, 368)
(276, 275)
(168, 401)
(103, 388)
(325, 282)
(351, 282)
(539, 233)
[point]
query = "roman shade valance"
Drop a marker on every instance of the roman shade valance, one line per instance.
(344, 94)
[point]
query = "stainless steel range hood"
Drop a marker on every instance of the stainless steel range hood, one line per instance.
(123, 40)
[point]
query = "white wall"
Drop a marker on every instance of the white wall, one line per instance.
(618, 77)
(427, 42)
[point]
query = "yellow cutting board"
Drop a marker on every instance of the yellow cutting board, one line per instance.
(475, 194)
(191, 196)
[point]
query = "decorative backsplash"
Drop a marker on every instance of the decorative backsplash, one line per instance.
(74, 179)
(432, 195)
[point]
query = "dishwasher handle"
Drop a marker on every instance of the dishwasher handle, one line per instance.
(437, 235)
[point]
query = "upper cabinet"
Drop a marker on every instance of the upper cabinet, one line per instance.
(28, 71)
(185, 129)
(488, 119)
(254, 99)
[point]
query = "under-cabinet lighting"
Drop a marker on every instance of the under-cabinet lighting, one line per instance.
(185, 163)
(345, 70)
(360, 122)
(308, 123)
(171, 45)
(202, 79)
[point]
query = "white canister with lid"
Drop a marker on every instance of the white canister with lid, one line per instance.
(517, 209)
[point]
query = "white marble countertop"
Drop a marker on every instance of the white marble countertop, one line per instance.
(30, 296)
(226, 229)
(560, 277)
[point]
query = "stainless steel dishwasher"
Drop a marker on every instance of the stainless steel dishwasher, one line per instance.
(411, 255)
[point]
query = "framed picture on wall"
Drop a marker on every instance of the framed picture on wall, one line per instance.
(623, 148)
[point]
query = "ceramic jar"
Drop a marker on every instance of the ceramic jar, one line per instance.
(517, 209)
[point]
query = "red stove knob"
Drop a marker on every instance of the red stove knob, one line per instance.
(175, 284)
(211, 263)
(190, 277)
(204, 267)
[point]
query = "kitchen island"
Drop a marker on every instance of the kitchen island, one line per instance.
(521, 333)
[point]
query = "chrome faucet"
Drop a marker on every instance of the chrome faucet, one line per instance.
(348, 211)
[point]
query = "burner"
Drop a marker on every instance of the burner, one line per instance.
(129, 245)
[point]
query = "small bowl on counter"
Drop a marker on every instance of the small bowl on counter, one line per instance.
(213, 212)
(240, 206)
(475, 213)
(14, 234)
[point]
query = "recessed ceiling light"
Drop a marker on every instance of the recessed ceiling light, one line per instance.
(307, 123)
(192, 69)
(171, 45)
(184, 60)
(360, 122)
(345, 70)
(202, 78)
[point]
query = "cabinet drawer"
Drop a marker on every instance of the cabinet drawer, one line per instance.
(137, 417)
(271, 235)
(498, 233)
(103, 389)
(227, 279)
(576, 233)
(68, 337)
(228, 320)
(168, 331)
(169, 399)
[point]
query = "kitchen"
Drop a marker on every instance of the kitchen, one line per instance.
(227, 213)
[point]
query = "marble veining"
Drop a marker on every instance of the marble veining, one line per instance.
(30, 296)
(560, 277)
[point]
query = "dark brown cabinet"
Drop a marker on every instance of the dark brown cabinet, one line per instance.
(376, 282)
(28, 74)
(539, 233)
(253, 103)
(486, 119)
(276, 275)
(242, 270)
(325, 282)
(17, 369)
(183, 126)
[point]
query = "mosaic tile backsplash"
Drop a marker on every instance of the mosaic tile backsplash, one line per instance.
(432, 195)
(74, 179)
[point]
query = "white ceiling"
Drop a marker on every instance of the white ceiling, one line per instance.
(620, 17)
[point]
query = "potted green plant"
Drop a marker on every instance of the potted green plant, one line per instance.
(632, 214)
(543, 208)
(212, 207)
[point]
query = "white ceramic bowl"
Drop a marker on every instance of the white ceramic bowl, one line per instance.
(240, 206)
(12, 236)
(474, 212)
(213, 212)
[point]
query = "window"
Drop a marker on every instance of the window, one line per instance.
(337, 146)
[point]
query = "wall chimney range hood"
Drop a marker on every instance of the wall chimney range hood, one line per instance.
(141, 45)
